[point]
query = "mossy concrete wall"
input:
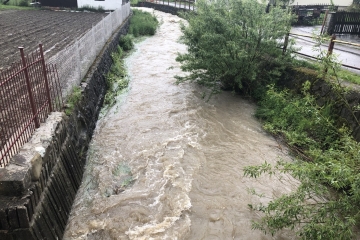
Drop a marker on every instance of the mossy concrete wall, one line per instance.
(39, 185)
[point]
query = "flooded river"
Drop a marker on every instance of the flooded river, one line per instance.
(165, 164)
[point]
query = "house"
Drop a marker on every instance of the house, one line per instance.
(105, 4)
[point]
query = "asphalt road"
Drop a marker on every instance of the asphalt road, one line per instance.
(347, 54)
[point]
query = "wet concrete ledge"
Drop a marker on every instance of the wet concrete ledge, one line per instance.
(38, 187)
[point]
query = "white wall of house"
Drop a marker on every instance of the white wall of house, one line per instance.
(106, 4)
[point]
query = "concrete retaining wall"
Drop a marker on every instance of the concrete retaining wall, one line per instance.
(38, 187)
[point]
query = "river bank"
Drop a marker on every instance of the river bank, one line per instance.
(164, 164)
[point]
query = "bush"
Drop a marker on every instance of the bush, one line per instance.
(116, 78)
(91, 9)
(126, 43)
(142, 23)
(24, 3)
(231, 43)
(325, 204)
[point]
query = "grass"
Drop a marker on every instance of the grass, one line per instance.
(343, 74)
(74, 98)
(91, 9)
(143, 24)
(16, 5)
(134, 2)
(116, 79)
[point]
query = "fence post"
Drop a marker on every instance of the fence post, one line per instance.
(286, 42)
(45, 77)
(331, 45)
(330, 49)
(32, 103)
(324, 21)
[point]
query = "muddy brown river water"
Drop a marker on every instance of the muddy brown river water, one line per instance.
(165, 164)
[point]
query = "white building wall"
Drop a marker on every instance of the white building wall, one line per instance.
(107, 4)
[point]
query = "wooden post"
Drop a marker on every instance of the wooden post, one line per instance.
(331, 45)
(324, 21)
(331, 48)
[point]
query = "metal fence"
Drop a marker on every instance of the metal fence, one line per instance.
(74, 61)
(344, 23)
(29, 91)
(181, 4)
(331, 46)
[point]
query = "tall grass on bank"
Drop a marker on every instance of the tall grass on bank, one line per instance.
(342, 73)
(116, 79)
(142, 23)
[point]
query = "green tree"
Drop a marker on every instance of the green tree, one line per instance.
(231, 43)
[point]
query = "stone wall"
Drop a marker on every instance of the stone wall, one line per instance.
(38, 187)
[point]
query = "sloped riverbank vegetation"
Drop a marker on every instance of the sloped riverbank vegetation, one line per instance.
(234, 45)
(141, 24)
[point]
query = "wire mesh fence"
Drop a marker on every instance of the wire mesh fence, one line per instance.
(29, 91)
(74, 61)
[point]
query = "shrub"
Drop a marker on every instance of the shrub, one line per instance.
(126, 42)
(73, 100)
(116, 78)
(142, 23)
(24, 3)
(231, 43)
(91, 9)
(326, 203)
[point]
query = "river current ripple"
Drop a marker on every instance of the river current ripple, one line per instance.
(165, 164)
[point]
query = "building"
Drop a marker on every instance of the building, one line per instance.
(105, 4)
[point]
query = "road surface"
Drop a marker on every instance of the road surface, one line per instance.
(347, 54)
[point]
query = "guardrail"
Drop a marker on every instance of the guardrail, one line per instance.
(330, 46)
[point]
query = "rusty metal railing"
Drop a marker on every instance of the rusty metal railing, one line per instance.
(29, 91)
(330, 47)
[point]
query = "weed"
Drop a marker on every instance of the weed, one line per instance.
(24, 3)
(142, 23)
(126, 42)
(116, 78)
(74, 98)
(91, 9)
